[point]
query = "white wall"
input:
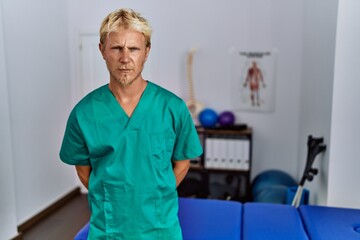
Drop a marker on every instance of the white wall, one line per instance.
(214, 27)
(7, 185)
(329, 99)
(345, 131)
(39, 91)
(316, 88)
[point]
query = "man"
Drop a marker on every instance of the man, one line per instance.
(130, 140)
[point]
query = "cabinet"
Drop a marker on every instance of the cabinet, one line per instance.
(223, 170)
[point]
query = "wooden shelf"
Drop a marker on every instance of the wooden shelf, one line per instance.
(224, 131)
(203, 175)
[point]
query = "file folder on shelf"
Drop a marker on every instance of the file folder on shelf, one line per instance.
(209, 158)
(246, 155)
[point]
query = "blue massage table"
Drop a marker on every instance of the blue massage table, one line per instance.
(205, 219)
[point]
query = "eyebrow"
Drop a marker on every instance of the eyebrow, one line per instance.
(122, 46)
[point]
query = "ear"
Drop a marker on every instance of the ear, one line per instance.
(147, 51)
(102, 49)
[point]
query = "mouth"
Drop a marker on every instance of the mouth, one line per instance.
(125, 70)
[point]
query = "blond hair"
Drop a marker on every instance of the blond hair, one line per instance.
(128, 19)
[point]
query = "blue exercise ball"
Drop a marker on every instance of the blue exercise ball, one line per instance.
(226, 118)
(270, 178)
(208, 117)
(272, 194)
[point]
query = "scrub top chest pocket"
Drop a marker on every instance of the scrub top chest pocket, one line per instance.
(162, 145)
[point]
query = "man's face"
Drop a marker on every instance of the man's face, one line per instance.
(125, 54)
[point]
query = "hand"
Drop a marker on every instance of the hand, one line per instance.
(180, 169)
(83, 173)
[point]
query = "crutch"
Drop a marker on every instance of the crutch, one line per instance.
(315, 146)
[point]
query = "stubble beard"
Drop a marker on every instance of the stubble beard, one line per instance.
(125, 81)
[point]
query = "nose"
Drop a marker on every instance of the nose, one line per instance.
(125, 56)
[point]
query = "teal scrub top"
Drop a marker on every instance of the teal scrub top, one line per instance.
(132, 187)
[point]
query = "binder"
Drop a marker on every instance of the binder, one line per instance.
(246, 155)
(222, 153)
(231, 154)
(216, 152)
(209, 158)
(238, 154)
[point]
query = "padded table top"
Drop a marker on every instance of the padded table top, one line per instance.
(267, 221)
(330, 223)
(204, 219)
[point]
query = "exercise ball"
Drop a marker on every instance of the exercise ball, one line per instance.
(272, 194)
(208, 117)
(268, 182)
(226, 118)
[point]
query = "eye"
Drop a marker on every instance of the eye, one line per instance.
(133, 49)
(117, 48)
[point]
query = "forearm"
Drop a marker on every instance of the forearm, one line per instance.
(180, 170)
(83, 173)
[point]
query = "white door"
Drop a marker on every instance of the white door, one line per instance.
(93, 68)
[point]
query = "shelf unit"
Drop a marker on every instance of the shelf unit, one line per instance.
(227, 147)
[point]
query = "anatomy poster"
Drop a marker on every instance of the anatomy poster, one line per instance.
(253, 80)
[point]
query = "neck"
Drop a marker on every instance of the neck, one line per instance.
(127, 93)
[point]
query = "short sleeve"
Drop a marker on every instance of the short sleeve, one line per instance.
(187, 143)
(73, 149)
